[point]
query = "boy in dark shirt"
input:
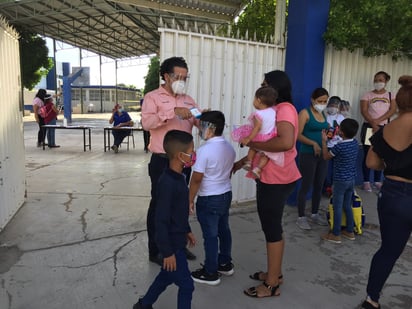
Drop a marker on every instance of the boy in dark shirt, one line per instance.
(344, 155)
(172, 225)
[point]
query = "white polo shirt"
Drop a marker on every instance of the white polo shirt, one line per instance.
(214, 159)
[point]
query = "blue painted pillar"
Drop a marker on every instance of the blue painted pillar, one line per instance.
(305, 49)
(67, 98)
(305, 53)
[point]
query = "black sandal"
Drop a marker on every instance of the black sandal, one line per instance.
(252, 292)
(256, 276)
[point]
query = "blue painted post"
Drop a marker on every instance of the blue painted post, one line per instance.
(307, 21)
(67, 99)
(67, 94)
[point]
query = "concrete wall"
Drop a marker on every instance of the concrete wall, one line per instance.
(12, 154)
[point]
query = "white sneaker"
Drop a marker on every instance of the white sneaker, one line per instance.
(303, 223)
(316, 218)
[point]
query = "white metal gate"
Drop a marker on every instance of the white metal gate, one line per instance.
(224, 75)
(12, 155)
(350, 75)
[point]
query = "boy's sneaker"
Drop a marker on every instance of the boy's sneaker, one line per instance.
(201, 276)
(316, 218)
(367, 186)
(226, 269)
(347, 235)
(302, 222)
(332, 238)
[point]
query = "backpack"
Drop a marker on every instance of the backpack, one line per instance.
(43, 111)
(358, 214)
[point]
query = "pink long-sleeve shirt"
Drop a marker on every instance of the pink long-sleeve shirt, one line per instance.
(158, 116)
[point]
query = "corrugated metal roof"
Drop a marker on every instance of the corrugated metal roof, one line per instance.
(117, 29)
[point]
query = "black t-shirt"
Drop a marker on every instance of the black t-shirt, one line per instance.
(397, 163)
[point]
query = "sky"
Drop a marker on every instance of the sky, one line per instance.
(129, 72)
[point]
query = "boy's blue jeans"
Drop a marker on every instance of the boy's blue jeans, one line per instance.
(181, 277)
(213, 215)
(342, 200)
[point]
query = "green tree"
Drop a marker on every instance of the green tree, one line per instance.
(34, 59)
(257, 18)
(152, 78)
(377, 27)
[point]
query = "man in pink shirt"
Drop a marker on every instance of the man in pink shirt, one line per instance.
(164, 109)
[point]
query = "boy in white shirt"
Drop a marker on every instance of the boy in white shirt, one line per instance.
(210, 181)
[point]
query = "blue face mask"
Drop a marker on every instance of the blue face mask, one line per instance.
(120, 110)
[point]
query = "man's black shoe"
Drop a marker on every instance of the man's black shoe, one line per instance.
(156, 259)
(190, 255)
(139, 305)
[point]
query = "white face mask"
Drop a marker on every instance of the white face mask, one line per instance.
(178, 87)
(379, 86)
(319, 107)
(332, 110)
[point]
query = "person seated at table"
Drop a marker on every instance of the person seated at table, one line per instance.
(119, 119)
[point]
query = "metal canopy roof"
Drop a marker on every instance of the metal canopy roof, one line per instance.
(117, 29)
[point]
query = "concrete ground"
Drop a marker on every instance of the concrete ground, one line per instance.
(79, 241)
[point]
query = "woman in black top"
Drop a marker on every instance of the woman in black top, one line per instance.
(391, 151)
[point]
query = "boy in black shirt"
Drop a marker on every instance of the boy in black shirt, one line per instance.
(172, 225)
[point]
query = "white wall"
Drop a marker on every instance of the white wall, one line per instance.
(12, 155)
(224, 75)
(349, 75)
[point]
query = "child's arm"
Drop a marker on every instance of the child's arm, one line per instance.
(325, 151)
(191, 239)
(257, 125)
(194, 186)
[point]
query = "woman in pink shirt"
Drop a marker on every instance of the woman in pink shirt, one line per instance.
(38, 102)
(377, 107)
(275, 185)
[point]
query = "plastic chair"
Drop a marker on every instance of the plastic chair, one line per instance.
(128, 140)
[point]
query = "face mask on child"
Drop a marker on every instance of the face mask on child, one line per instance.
(332, 110)
(192, 159)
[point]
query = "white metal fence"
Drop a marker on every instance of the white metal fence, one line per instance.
(225, 72)
(224, 75)
(12, 157)
(349, 75)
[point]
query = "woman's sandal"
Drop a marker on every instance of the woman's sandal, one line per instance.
(256, 276)
(368, 305)
(253, 292)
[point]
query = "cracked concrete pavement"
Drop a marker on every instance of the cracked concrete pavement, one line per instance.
(79, 241)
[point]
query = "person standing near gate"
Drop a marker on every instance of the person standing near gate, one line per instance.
(164, 109)
(38, 102)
